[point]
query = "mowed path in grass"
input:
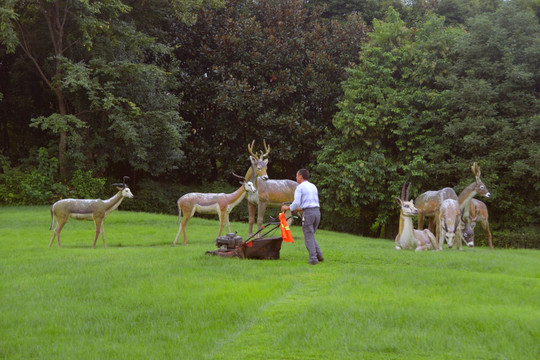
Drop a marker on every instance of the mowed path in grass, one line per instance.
(141, 298)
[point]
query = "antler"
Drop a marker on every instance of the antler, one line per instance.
(266, 148)
(476, 170)
(250, 149)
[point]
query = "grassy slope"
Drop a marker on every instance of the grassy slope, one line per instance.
(141, 298)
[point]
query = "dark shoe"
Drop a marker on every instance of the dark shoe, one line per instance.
(320, 258)
(313, 262)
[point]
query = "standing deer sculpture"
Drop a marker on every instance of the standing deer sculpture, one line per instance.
(428, 203)
(211, 203)
(408, 237)
(87, 209)
(269, 192)
(478, 212)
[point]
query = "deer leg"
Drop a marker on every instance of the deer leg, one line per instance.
(485, 224)
(260, 215)
(221, 221)
(440, 233)
(181, 228)
(60, 222)
(251, 209)
(420, 221)
(430, 226)
(99, 223)
(103, 233)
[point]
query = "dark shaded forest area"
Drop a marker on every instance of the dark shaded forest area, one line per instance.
(366, 94)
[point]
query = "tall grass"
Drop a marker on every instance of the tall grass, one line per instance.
(141, 298)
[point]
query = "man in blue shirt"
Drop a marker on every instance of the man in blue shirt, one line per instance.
(306, 199)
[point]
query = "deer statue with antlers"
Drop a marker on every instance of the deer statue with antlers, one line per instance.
(428, 203)
(408, 237)
(269, 192)
(87, 209)
(211, 203)
(478, 213)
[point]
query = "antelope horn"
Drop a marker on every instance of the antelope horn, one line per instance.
(238, 176)
(126, 178)
(407, 195)
(403, 191)
(250, 149)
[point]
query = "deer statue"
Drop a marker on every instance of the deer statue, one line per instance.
(211, 203)
(271, 193)
(477, 213)
(429, 202)
(408, 237)
(449, 223)
(87, 209)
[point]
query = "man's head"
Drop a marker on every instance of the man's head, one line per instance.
(302, 175)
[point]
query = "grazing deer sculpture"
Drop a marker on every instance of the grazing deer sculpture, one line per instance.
(478, 212)
(269, 192)
(87, 209)
(211, 203)
(408, 237)
(449, 223)
(428, 203)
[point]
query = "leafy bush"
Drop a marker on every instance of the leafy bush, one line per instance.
(84, 186)
(524, 238)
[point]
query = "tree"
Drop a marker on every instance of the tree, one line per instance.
(386, 119)
(261, 70)
(493, 111)
(113, 85)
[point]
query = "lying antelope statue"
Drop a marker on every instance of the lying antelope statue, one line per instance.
(270, 193)
(408, 237)
(86, 209)
(478, 212)
(211, 203)
(428, 203)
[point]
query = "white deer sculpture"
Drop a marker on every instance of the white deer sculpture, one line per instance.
(211, 203)
(449, 223)
(87, 209)
(408, 237)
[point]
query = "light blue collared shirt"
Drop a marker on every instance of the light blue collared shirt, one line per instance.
(306, 196)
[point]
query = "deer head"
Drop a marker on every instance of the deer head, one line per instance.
(259, 163)
(407, 206)
(126, 192)
(480, 188)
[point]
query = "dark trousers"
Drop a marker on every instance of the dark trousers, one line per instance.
(310, 222)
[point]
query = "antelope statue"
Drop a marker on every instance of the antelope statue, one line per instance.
(449, 223)
(477, 213)
(429, 202)
(271, 193)
(408, 237)
(86, 209)
(211, 203)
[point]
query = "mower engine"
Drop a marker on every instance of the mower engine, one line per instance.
(229, 241)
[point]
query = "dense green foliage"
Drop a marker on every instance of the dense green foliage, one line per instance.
(364, 93)
(141, 298)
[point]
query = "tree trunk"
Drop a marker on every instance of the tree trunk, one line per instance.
(62, 144)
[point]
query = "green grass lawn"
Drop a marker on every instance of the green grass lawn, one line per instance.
(142, 298)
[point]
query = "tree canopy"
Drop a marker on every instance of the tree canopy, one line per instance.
(366, 94)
